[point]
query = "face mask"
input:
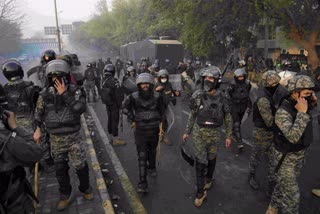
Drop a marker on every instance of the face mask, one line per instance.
(208, 85)
(309, 100)
(163, 80)
(272, 90)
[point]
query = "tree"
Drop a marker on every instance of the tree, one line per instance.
(298, 20)
(10, 20)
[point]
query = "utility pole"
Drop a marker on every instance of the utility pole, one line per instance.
(57, 23)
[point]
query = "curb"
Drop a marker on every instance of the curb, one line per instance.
(130, 191)
(102, 188)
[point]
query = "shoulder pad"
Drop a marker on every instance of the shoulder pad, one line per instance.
(197, 93)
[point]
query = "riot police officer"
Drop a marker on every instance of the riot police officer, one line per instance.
(60, 106)
(17, 150)
(209, 110)
(145, 109)
(164, 87)
(129, 81)
(90, 77)
(118, 66)
(46, 57)
(238, 91)
(293, 134)
(268, 99)
(112, 97)
(21, 97)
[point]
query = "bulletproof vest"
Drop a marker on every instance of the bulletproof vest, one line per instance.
(211, 112)
(147, 111)
(59, 118)
(280, 141)
(18, 99)
(240, 93)
(111, 91)
(90, 74)
(257, 118)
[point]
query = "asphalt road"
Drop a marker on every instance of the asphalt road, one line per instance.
(173, 190)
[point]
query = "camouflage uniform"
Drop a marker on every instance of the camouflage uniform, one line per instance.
(293, 134)
(269, 96)
(61, 114)
(207, 139)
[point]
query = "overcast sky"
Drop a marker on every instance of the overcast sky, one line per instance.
(68, 11)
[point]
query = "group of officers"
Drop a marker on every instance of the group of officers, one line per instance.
(281, 116)
(282, 131)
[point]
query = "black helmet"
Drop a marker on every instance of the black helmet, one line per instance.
(12, 69)
(58, 68)
(67, 59)
(48, 56)
(89, 65)
(109, 69)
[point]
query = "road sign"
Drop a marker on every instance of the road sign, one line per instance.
(66, 29)
(50, 30)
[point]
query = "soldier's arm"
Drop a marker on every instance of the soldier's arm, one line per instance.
(39, 112)
(291, 129)
(77, 101)
(195, 102)
(22, 146)
(265, 111)
(227, 117)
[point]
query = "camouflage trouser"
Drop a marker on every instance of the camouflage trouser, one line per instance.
(286, 195)
(63, 146)
(206, 143)
(262, 142)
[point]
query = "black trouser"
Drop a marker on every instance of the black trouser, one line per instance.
(237, 115)
(113, 119)
(62, 174)
(147, 143)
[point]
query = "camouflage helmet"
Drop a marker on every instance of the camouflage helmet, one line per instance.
(144, 78)
(270, 78)
(239, 72)
(211, 71)
(300, 82)
(163, 72)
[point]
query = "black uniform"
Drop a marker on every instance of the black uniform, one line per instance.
(147, 113)
(17, 150)
(239, 94)
(112, 96)
(119, 67)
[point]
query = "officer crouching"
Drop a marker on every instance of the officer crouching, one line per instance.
(60, 106)
(17, 150)
(209, 109)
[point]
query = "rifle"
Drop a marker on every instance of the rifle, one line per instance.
(227, 65)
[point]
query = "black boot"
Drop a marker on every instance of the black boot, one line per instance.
(201, 193)
(143, 184)
(210, 170)
(252, 181)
